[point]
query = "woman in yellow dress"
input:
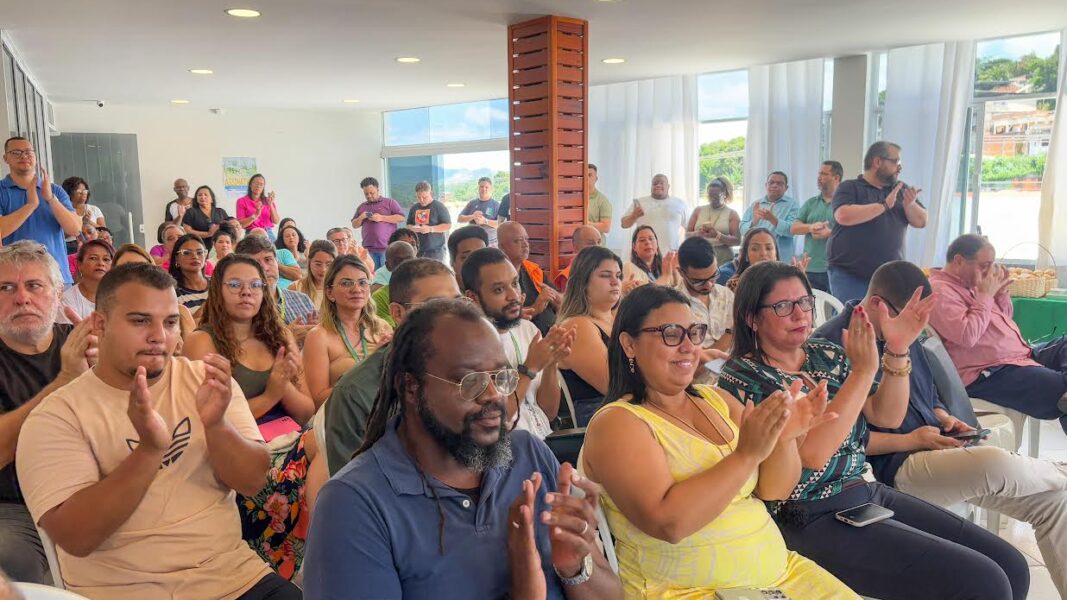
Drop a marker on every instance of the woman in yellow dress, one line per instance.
(684, 468)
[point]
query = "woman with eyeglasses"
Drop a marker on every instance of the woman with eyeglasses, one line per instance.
(685, 468)
(320, 256)
(348, 331)
(717, 222)
(593, 293)
(187, 266)
(646, 264)
(204, 218)
(238, 325)
(907, 556)
(78, 191)
(94, 261)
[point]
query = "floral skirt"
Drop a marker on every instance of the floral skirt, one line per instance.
(274, 522)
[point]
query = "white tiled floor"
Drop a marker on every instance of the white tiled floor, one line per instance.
(1021, 535)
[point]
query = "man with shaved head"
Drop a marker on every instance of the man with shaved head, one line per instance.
(542, 299)
(583, 237)
(175, 210)
(666, 214)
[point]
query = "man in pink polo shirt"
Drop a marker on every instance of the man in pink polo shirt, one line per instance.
(974, 320)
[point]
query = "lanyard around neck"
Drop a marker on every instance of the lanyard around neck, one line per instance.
(348, 344)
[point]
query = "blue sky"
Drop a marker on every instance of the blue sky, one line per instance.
(1044, 44)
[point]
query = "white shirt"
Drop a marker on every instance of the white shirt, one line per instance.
(516, 343)
(718, 314)
(667, 218)
(73, 298)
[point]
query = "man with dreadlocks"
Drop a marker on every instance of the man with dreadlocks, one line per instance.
(442, 501)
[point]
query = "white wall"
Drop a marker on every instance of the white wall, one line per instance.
(313, 160)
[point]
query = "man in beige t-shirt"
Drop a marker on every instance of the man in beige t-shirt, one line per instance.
(131, 468)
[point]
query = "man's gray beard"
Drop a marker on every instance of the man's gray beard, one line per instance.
(31, 336)
(462, 446)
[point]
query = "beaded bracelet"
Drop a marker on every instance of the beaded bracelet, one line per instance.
(889, 352)
(901, 372)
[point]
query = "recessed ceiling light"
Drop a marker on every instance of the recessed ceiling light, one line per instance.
(457, 85)
(408, 59)
(201, 71)
(613, 61)
(243, 13)
(179, 101)
(350, 101)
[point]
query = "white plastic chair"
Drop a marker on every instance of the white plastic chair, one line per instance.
(567, 396)
(36, 591)
(1018, 420)
(606, 539)
(53, 560)
(826, 306)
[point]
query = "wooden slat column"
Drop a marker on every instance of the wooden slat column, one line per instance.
(548, 86)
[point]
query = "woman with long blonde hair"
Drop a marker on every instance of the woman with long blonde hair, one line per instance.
(348, 331)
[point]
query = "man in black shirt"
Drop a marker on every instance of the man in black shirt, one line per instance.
(37, 357)
(872, 214)
(429, 219)
(542, 299)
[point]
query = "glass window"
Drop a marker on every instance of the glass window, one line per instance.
(9, 89)
(454, 177)
(722, 96)
(465, 122)
(1006, 142)
(722, 100)
(20, 100)
(42, 124)
(878, 78)
(31, 113)
(1017, 65)
(827, 108)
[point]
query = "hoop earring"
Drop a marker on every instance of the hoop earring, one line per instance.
(631, 360)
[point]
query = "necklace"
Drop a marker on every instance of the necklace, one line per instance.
(348, 344)
(692, 428)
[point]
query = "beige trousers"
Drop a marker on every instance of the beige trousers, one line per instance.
(1023, 488)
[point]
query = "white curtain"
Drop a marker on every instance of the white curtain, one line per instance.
(785, 105)
(928, 90)
(1052, 219)
(636, 130)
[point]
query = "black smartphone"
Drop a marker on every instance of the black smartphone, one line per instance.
(977, 434)
(864, 515)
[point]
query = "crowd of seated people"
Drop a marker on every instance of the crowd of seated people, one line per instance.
(275, 416)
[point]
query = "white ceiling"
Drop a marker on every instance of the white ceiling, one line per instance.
(314, 53)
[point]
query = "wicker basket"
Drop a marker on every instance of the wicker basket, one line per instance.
(1033, 287)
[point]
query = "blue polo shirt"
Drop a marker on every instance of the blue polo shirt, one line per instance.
(922, 400)
(375, 535)
(42, 226)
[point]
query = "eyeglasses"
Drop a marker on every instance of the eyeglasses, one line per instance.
(786, 307)
(347, 284)
(236, 285)
(21, 153)
(895, 161)
(418, 304)
(189, 253)
(700, 282)
(673, 333)
(473, 385)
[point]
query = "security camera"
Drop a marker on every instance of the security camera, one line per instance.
(100, 104)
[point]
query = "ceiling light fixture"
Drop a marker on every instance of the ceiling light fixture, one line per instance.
(201, 71)
(179, 101)
(242, 13)
(350, 101)
(408, 59)
(457, 85)
(613, 61)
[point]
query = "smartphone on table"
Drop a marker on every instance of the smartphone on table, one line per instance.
(751, 594)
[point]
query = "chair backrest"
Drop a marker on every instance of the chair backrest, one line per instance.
(53, 559)
(947, 380)
(36, 591)
(826, 307)
(605, 538)
(567, 396)
(566, 444)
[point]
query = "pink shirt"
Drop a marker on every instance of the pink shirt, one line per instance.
(246, 207)
(978, 331)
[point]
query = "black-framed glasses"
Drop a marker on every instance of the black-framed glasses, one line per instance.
(786, 307)
(673, 333)
(890, 304)
(191, 253)
(700, 282)
(473, 385)
(236, 285)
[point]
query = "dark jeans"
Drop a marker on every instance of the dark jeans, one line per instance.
(845, 286)
(1034, 391)
(21, 554)
(923, 552)
(378, 256)
(273, 587)
(819, 281)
